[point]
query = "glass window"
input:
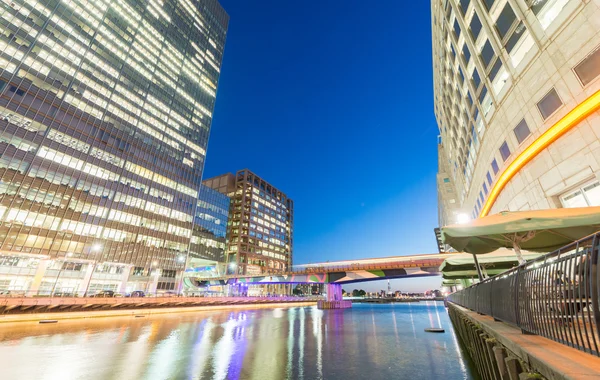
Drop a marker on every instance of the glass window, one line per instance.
(537, 5)
(487, 54)
(476, 79)
(497, 66)
(475, 26)
(515, 37)
(584, 196)
(466, 54)
(504, 151)
(489, 3)
(488, 176)
(495, 166)
(505, 21)
(522, 131)
(485, 189)
(589, 68)
(549, 104)
(456, 29)
(464, 5)
(482, 94)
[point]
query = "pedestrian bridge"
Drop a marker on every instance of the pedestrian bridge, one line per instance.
(341, 272)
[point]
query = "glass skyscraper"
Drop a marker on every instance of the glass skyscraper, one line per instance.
(105, 111)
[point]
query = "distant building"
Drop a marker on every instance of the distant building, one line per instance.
(260, 226)
(506, 74)
(207, 246)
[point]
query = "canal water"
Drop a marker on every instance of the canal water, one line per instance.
(365, 342)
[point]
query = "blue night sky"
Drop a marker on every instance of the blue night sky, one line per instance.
(332, 103)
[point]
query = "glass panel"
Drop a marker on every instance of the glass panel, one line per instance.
(487, 54)
(456, 29)
(476, 79)
(515, 37)
(592, 193)
(589, 68)
(464, 5)
(466, 54)
(549, 104)
(575, 199)
(505, 21)
(489, 3)
(475, 26)
(495, 166)
(504, 151)
(495, 69)
(522, 131)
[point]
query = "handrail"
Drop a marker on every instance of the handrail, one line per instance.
(555, 296)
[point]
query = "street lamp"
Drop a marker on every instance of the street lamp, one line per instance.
(69, 254)
(462, 218)
(96, 248)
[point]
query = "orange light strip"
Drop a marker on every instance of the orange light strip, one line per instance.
(570, 120)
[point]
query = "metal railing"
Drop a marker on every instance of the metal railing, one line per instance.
(554, 296)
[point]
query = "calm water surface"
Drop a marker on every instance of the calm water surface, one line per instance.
(365, 342)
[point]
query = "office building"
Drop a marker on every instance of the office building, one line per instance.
(105, 111)
(260, 226)
(207, 246)
(516, 88)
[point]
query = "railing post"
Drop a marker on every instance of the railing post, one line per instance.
(595, 281)
(516, 295)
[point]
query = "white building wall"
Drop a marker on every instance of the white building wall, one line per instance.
(543, 59)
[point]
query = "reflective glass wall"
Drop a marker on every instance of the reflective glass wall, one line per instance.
(105, 111)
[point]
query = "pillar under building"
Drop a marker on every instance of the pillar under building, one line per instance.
(334, 298)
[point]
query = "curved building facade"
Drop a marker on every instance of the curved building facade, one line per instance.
(517, 100)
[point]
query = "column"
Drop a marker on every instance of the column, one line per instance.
(89, 271)
(153, 281)
(334, 292)
(125, 279)
(38, 277)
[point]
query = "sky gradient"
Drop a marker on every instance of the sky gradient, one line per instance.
(332, 103)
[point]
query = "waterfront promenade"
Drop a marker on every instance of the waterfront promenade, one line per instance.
(30, 308)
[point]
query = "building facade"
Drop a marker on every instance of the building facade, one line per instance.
(105, 111)
(207, 246)
(260, 227)
(516, 90)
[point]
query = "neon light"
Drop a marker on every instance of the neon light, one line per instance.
(570, 120)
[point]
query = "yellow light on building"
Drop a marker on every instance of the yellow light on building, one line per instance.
(570, 120)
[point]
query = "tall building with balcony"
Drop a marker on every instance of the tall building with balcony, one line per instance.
(260, 226)
(105, 112)
(517, 99)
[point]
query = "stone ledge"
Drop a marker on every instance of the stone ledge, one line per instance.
(551, 359)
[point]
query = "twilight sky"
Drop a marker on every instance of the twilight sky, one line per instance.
(331, 101)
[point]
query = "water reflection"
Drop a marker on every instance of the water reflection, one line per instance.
(367, 341)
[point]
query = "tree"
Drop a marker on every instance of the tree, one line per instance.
(362, 293)
(355, 293)
(344, 292)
